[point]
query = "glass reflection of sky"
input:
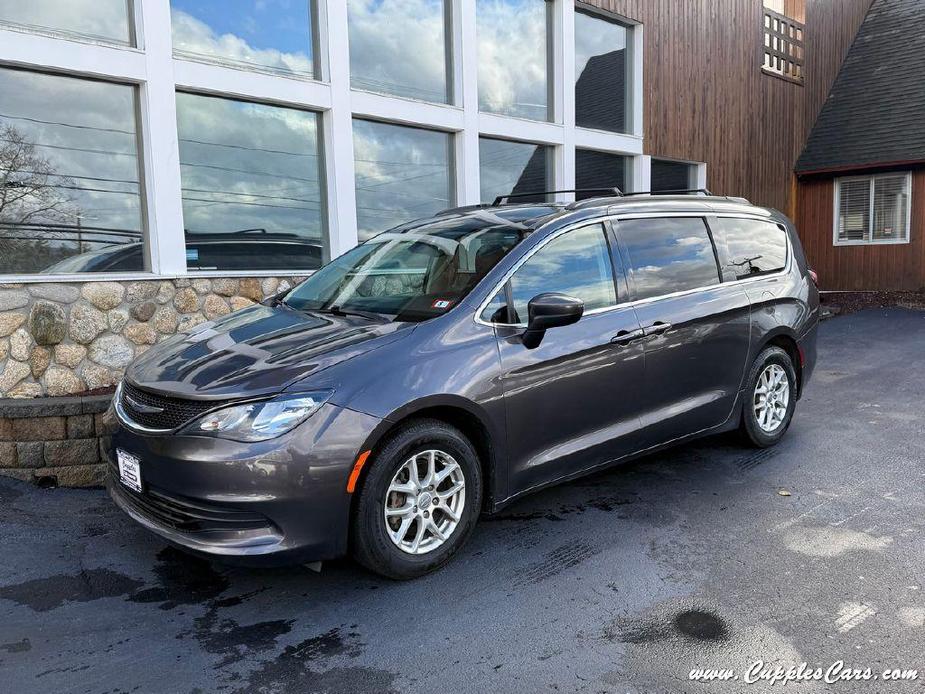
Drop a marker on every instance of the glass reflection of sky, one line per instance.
(96, 20)
(270, 34)
(595, 36)
(754, 247)
(78, 191)
(668, 255)
(513, 57)
(577, 264)
(399, 47)
(249, 168)
(401, 174)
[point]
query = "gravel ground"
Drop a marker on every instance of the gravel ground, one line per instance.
(620, 582)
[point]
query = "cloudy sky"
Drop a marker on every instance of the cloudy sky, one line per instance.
(100, 19)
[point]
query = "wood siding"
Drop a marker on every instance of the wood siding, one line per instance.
(864, 267)
(706, 98)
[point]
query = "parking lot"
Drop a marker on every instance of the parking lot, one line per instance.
(707, 556)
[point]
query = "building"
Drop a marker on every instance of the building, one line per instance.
(862, 172)
(164, 162)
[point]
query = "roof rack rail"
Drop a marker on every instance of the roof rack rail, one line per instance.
(463, 208)
(673, 191)
(501, 198)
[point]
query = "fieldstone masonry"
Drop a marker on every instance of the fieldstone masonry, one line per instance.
(64, 346)
(63, 339)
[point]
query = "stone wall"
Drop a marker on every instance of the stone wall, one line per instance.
(64, 338)
(55, 441)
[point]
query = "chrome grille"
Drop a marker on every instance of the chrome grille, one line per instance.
(154, 411)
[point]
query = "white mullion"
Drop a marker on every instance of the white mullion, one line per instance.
(641, 176)
(77, 58)
(337, 127)
(870, 202)
(161, 154)
(563, 75)
(637, 112)
(466, 94)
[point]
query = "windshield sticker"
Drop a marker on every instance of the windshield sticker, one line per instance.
(442, 303)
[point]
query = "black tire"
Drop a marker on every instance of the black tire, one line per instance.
(371, 544)
(750, 430)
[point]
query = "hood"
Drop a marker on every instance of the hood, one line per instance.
(258, 351)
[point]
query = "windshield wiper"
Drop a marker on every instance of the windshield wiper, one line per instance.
(338, 311)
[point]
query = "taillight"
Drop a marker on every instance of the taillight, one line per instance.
(815, 277)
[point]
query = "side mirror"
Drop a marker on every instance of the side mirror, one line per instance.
(550, 310)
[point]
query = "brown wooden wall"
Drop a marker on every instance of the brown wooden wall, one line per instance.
(892, 266)
(706, 98)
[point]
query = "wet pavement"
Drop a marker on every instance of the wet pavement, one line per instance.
(620, 582)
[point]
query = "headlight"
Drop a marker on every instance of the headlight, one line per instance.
(259, 421)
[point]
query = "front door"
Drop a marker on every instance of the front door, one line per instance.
(697, 329)
(570, 402)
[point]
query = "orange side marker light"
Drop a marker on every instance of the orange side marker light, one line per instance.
(355, 473)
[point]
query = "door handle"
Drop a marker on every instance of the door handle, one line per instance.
(657, 328)
(624, 337)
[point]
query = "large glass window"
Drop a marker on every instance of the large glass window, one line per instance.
(669, 254)
(514, 168)
(269, 35)
(252, 195)
(873, 209)
(754, 247)
(401, 174)
(514, 54)
(600, 170)
(602, 66)
(109, 21)
(576, 263)
(70, 191)
(399, 47)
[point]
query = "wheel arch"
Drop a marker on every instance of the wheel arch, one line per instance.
(786, 340)
(458, 412)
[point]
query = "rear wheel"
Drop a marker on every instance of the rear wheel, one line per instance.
(419, 502)
(770, 398)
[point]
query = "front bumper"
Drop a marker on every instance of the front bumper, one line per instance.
(272, 502)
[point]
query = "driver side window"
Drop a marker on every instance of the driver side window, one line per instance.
(576, 263)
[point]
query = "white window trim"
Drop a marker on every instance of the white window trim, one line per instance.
(158, 74)
(872, 241)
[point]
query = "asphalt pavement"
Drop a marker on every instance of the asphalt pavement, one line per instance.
(710, 555)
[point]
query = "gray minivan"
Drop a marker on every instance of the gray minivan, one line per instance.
(451, 365)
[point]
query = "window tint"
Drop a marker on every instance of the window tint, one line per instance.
(754, 247)
(668, 255)
(576, 263)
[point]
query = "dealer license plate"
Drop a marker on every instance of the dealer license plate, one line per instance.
(129, 470)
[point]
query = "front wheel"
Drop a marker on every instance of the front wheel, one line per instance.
(419, 502)
(770, 398)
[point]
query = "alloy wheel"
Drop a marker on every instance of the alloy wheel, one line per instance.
(771, 397)
(425, 501)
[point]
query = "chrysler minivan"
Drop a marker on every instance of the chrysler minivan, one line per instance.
(451, 365)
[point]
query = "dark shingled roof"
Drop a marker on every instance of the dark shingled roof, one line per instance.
(875, 113)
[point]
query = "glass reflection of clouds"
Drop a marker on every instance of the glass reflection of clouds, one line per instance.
(401, 174)
(753, 247)
(513, 48)
(512, 167)
(250, 173)
(93, 20)
(576, 263)
(668, 255)
(272, 35)
(69, 172)
(399, 47)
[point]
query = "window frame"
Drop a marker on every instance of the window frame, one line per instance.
(870, 240)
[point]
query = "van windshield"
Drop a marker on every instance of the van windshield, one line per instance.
(411, 274)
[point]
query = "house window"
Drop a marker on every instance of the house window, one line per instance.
(602, 73)
(514, 168)
(782, 26)
(70, 183)
(381, 32)
(251, 177)
(103, 21)
(873, 209)
(600, 170)
(668, 175)
(278, 39)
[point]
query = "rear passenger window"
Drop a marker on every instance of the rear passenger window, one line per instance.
(668, 254)
(754, 247)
